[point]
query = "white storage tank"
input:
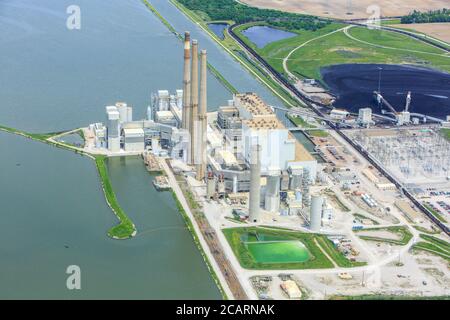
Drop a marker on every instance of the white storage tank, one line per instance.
(316, 213)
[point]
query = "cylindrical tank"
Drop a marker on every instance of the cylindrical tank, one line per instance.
(123, 111)
(255, 183)
(129, 114)
(315, 219)
(210, 186)
(235, 184)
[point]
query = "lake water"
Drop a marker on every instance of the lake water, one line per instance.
(353, 84)
(263, 35)
(53, 209)
(218, 29)
(54, 215)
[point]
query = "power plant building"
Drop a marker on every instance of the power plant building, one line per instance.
(134, 140)
(365, 116)
(113, 128)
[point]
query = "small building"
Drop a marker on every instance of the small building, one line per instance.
(166, 117)
(345, 276)
(291, 289)
(134, 139)
(338, 114)
(386, 186)
(365, 116)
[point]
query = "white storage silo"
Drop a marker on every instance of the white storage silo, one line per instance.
(315, 218)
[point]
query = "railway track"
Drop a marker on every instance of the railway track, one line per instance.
(313, 105)
(212, 240)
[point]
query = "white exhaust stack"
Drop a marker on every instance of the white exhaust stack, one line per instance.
(186, 80)
(194, 103)
(201, 160)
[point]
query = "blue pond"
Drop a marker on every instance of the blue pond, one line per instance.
(263, 35)
(218, 29)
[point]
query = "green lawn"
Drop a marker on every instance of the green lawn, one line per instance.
(403, 231)
(434, 246)
(446, 133)
(436, 241)
(338, 48)
(431, 248)
(318, 133)
(125, 228)
(435, 213)
(336, 255)
(238, 238)
(363, 217)
(300, 122)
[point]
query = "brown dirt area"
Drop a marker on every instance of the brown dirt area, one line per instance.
(439, 31)
(340, 8)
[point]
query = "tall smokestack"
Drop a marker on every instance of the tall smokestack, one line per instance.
(255, 183)
(201, 161)
(194, 103)
(186, 80)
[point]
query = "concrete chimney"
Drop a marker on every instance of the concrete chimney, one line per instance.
(186, 80)
(201, 161)
(255, 183)
(193, 128)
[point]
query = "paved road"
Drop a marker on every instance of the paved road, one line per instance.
(209, 242)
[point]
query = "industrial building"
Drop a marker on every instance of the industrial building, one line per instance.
(365, 116)
(175, 125)
(338, 114)
(242, 150)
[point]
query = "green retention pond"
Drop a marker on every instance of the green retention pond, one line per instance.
(278, 251)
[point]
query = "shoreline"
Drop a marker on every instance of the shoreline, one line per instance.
(211, 68)
(104, 178)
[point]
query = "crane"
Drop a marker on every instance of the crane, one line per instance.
(381, 99)
(408, 101)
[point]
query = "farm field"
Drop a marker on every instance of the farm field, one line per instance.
(341, 10)
(439, 31)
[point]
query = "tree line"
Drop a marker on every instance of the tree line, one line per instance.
(232, 10)
(427, 17)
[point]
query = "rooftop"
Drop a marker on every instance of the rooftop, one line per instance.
(268, 122)
(253, 104)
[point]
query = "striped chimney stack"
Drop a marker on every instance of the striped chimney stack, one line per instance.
(201, 161)
(193, 118)
(186, 81)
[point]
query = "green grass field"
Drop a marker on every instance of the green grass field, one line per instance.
(405, 235)
(435, 213)
(318, 133)
(275, 248)
(374, 46)
(446, 133)
(300, 122)
(125, 228)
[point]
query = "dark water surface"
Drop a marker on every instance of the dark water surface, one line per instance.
(353, 84)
